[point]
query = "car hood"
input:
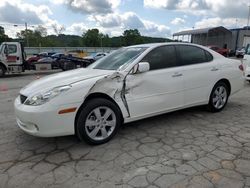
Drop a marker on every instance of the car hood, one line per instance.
(63, 78)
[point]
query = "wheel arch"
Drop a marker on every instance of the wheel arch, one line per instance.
(4, 66)
(227, 82)
(93, 96)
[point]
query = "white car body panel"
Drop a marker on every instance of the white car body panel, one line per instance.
(137, 95)
(246, 64)
(151, 89)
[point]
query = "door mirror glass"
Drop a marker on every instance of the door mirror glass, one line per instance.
(143, 67)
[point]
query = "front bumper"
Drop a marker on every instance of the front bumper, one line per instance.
(44, 120)
(247, 73)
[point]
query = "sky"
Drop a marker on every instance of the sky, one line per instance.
(157, 18)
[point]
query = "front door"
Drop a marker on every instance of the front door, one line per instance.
(158, 90)
(12, 55)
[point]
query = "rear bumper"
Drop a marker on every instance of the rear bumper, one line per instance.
(247, 73)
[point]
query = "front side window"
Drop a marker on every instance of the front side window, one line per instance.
(11, 49)
(119, 59)
(192, 55)
(161, 57)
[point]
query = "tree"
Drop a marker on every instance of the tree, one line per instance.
(3, 37)
(132, 36)
(58, 29)
(34, 37)
(92, 38)
(41, 30)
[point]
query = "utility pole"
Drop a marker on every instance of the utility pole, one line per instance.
(248, 17)
(26, 32)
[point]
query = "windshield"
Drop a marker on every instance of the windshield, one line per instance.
(119, 59)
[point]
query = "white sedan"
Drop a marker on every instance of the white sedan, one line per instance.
(131, 83)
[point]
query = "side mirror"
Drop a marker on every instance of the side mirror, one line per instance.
(143, 67)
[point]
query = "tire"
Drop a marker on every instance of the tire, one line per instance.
(2, 70)
(100, 129)
(68, 66)
(218, 97)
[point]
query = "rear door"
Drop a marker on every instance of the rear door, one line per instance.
(200, 72)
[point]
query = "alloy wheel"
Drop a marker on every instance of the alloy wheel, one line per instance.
(219, 98)
(100, 123)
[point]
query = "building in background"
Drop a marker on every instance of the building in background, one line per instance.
(219, 36)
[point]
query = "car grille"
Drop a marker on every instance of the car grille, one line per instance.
(23, 98)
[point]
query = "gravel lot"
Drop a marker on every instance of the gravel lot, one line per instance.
(188, 148)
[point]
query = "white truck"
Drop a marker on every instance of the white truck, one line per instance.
(12, 58)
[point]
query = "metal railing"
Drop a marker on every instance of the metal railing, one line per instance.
(89, 50)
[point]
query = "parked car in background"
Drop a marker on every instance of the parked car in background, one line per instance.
(240, 52)
(53, 60)
(223, 51)
(36, 57)
(96, 56)
(129, 84)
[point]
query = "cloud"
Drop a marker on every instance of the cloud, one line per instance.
(18, 12)
(19, 15)
(177, 21)
(176, 4)
(115, 23)
(221, 8)
(76, 29)
(90, 7)
(217, 21)
(109, 20)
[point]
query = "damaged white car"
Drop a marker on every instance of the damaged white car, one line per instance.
(131, 83)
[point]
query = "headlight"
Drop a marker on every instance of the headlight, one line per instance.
(41, 98)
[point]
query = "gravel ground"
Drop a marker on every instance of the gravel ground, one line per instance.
(188, 148)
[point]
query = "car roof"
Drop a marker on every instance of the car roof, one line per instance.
(150, 45)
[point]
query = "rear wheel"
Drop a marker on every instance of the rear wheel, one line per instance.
(98, 121)
(2, 70)
(218, 97)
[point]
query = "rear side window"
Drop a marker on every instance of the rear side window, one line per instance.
(208, 56)
(161, 57)
(193, 55)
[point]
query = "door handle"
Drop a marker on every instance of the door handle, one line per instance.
(214, 69)
(177, 74)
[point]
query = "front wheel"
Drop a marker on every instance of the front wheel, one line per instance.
(218, 97)
(98, 121)
(2, 70)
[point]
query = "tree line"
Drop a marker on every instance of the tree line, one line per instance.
(90, 38)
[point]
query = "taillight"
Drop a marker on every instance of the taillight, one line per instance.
(241, 67)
